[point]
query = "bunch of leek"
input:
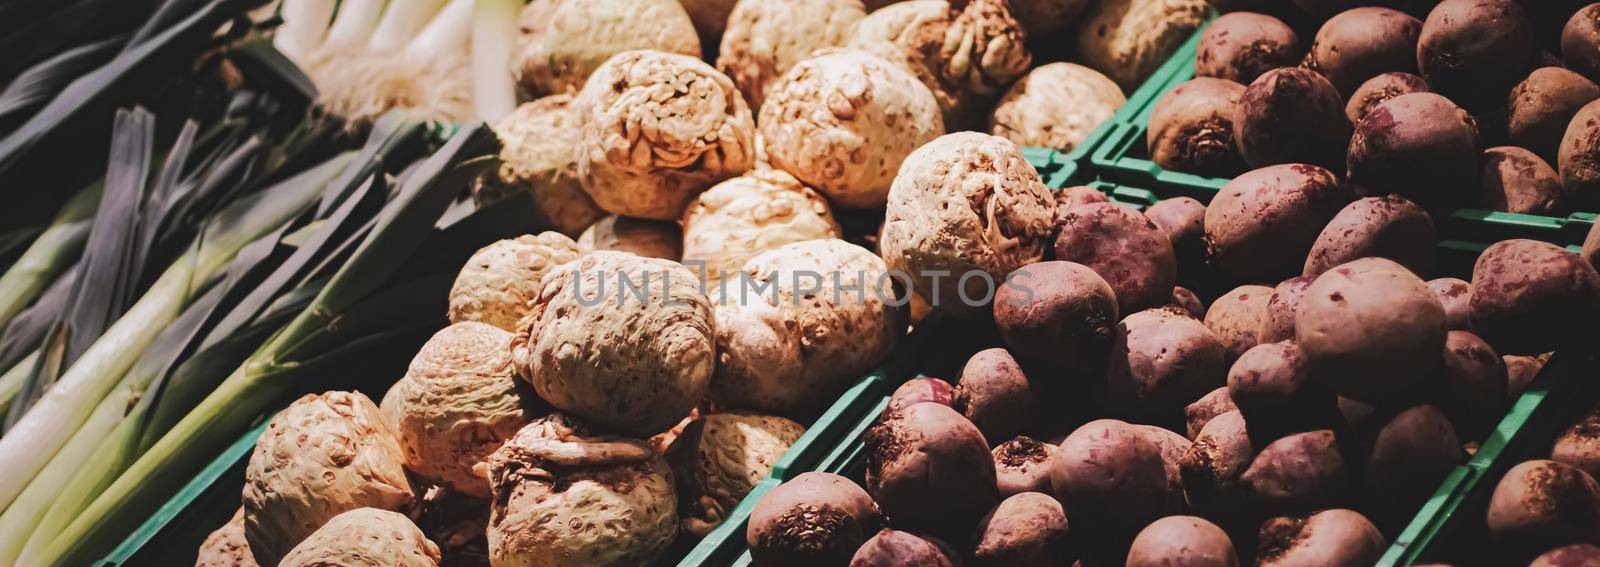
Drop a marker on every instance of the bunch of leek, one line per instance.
(357, 300)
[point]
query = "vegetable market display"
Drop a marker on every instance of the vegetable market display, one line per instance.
(563, 283)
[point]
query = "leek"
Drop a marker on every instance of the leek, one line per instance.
(305, 22)
(260, 381)
(448, 32)
(494, 39)
(34, 440)
(19, 519)
(353, 25)
(52, 253)
(400, 23)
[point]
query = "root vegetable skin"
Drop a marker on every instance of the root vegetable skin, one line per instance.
(1186, 300)
(1128, 39)
(500, 282)
(764, 40)
(1474, 51)
(813, 518)
(996, 396)
(580, 36)
(702, 132)
(1539, 505)
(537, 156)
(1575, 554)
(1331, 538)
(1131, 253)
(648, 238)
(1361, 43)
(1529, 297)
(1412, 453)
(1112, 472)
(1297, 474)
(1241, 46)
(1074, 196)
(1213, 468)
(891, 548)
(744, 216)
(363, 537)
(457, 403)
(1188, 541)
(1192, 128)
(1473, 393)
(1370, 328)
(322, 456)
(964, 75)
(227, 547)
(1056, 105)
(1383, 227)
(1023, 465)
(1419, 145)
(1057, 317)
(564, 495)
(1378, 89)
(719, 458)
(998, 218)
(1579, 445)
(843, 121)
(1580, 42)
(919, 390)
(1291, 115)
(1542, 106)
(1236, 318)
(1184, 221)
(1579, 157)
(629, 364)
(1455, 295)
(1517, 181)
(1272, 386)
(1261, 225)
(1278, 323)
(791, 348)
(931, 471)
(1208, 407)
(1029, 529)
(1161, 361)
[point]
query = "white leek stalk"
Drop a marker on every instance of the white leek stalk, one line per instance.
(48, 425)
(400, 23)
(18, 521)
(11, 382)
(448, 32)
(353, 26)
(494, 41)
(305, 22)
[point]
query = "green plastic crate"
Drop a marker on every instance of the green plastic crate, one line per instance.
(1121, 155)
(1450, 526)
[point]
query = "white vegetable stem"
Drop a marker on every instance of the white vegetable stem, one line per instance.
(305, 22)
(400, 23)
(446, 33)
(354, 25)
(20, 518)
(494, 39)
